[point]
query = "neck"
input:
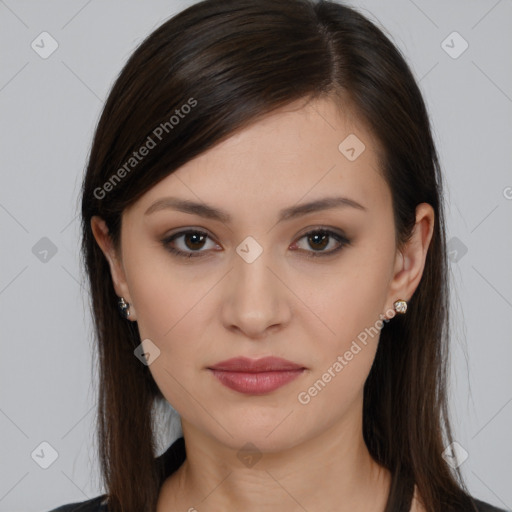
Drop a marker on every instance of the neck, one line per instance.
(333, 471)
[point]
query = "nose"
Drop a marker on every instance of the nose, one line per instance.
(255, 300)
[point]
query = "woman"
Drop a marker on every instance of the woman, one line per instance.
(263, 203)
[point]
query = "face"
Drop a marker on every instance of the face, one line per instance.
(311, 288)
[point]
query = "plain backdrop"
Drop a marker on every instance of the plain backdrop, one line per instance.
(49, 105)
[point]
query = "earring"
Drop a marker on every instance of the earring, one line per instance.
(400, 306)
(124, 307)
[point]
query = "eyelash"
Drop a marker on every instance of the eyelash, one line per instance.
(342, 240)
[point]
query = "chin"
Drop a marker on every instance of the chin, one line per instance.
(261, 438)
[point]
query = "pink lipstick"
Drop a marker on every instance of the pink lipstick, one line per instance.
(256, 376)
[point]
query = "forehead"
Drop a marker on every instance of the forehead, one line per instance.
(297, 153)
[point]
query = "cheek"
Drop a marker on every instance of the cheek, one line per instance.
(346, 302)
(169, 302)
(161, 291)
(343, 360)
(170, 321)
(343, 344)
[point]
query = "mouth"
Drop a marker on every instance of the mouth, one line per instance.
(258, 376)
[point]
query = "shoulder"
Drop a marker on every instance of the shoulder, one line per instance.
(485, 507)
(169, 461)
(98, 504)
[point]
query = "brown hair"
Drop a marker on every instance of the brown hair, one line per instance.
(232, 62)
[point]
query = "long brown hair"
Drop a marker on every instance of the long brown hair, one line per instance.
(232, 61)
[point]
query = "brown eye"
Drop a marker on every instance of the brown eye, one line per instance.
(319, 239)
(192, 243)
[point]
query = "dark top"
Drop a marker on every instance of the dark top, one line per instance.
(171, 459)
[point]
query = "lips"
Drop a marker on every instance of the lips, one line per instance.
(265, 364)
(258, 376)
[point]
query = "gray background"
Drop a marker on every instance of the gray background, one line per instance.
(49, 108)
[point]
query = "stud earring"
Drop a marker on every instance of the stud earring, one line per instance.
(400, 306)
(124, 307)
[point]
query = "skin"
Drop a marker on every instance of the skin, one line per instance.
(201, 311)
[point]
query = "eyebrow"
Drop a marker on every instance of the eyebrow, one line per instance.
(211, 212)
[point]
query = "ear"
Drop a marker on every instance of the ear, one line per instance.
(410, 261)
(100, 231)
